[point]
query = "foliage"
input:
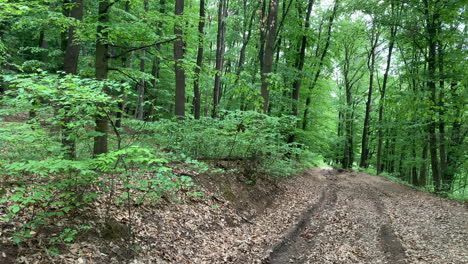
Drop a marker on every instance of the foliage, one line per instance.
(256, 140)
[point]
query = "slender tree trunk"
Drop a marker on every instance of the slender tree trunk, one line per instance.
(457, 136)
(102, 69)
(348, 151)
(414, 169)
(382, 99)
(431, 18)
(320, 64)
(300, 61)
(72, 50)
(179, 70)
(140, 109)
(196, 83)
(423, 170)
(246, 40)
(155, 70)
(267, 60)
(141, 90)
(447, 181)
(70, 66)
(220, 47)
(365, 132)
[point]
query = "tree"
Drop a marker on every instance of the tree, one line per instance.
(102, 71)
(267, 57)
(300, 60)
(351, 66)
(196, 82)
(220, 48)
(322, 56)
(179, 56)
(374, 42)
(70, 66)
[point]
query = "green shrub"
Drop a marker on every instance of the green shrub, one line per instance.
(257, 141)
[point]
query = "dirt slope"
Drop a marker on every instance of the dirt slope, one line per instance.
(366, 219)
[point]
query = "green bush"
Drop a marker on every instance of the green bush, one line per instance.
(258, 141)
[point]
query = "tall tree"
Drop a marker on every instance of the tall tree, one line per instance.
(351, 69)
(196, 82)
(391, 44)
(220, 49)
(431, 11)
(374, 41)
(267, 59)
(300, 60)
(156, 68)
(179, 52)
(321, 62)
(102, 70)
(70, 66)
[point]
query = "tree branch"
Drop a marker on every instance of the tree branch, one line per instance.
(130, 49)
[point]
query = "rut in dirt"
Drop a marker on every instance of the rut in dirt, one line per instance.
(350, 223)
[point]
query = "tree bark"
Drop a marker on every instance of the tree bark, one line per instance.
(179, 53)
(446, 180)
(70, 66)
(365, 131)
(196, 82)
(102, 69)
(267, 60)
(300, 61)
(423, 170)
(220, 47)
(155, 70)
(140, 110)
(431, 18)
(391, 44)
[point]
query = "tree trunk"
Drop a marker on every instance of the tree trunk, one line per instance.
(155, 70)
(196, 82)
(300, 61)
(447, 181)
(70, 66)
(179, 70)
(365, 131)
(423, 170)
(382, 98)
(140, 108)
(431, 18)
(246, 40)
(220, 46)
(320, 64)
(102, 69)
(267, 60)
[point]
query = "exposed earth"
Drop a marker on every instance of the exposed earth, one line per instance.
(360, 218)
(321, 216)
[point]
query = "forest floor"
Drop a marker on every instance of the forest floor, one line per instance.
(360, 218)
(321, 216)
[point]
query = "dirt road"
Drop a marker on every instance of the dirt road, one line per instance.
(366, 219)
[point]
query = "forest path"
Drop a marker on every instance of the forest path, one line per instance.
(367, 219)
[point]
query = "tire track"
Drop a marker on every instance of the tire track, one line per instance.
(390, 244)
(293, 243)
(304, 239)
